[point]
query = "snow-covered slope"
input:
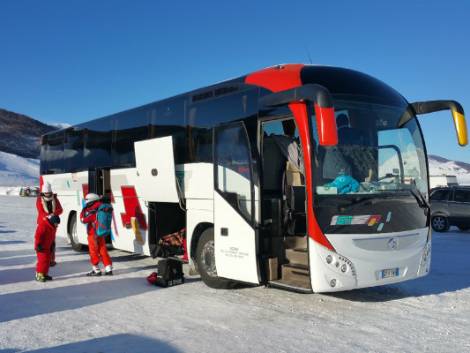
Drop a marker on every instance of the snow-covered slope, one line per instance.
(442, 166)
(437, 166)
(17, 171)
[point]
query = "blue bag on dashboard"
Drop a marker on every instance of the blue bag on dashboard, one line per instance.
(344, 184)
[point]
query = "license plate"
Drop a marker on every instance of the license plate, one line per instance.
(389, 272)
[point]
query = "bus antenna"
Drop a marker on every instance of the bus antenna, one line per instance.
(308, 55)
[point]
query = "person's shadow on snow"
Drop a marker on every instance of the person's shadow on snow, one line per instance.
(49, 300)
(450, 272)
(64, 270)
(121, 343)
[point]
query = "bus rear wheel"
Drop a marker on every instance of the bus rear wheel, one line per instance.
(73, 235)
(205, 260)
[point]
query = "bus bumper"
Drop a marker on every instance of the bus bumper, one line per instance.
(369, 260)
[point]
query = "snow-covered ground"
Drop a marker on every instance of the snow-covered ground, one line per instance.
(123, 313)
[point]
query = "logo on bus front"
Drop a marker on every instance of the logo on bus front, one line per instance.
(393, 244)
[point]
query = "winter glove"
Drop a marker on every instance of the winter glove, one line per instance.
(39, 248)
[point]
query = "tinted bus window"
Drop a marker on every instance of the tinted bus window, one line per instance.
(52, 153)
(98, 140)
(205, 114)
(130, 126)
(73, 150)
(168, 118)
(212, 112)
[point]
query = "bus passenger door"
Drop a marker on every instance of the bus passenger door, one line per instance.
(235, 237)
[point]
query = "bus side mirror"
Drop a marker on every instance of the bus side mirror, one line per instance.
(457, 114)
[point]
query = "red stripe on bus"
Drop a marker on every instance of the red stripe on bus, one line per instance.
(326, 117)
(282, 78)
(277, 78)
(132, 207)
(85, 190)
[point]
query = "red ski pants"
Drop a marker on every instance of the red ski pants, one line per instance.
(98, 251)
(44, 260)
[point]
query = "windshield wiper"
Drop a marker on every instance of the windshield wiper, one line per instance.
(418, 195)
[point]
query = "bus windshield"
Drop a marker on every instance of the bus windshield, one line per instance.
(375, 155)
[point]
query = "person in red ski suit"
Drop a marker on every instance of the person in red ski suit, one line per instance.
(48, 204)
(96, 244)
(43, 240)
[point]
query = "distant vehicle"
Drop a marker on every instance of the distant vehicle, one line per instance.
(29, 191)
(450, 206)
(442, 180)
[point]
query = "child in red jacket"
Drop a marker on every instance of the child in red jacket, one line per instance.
(48, 204)
(43, 242)
(96, 244)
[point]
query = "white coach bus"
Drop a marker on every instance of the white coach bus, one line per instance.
(307, 178)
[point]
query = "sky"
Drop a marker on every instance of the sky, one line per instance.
(72, 61)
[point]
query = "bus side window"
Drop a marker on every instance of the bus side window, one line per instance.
(232, 160)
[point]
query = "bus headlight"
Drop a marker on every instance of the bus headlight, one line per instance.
(340, 264)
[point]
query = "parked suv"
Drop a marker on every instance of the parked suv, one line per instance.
(450, 206)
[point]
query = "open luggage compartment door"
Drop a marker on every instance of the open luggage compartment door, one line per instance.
(155, 165)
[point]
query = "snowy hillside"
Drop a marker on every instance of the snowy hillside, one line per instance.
(20, 134)
(18, 171)
(440, 166)
(437, 166)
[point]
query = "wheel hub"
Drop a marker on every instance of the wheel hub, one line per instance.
(438, 222)
(208, 259)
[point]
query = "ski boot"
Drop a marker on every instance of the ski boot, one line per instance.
(94, 273)
(108, 271)
(40, 277)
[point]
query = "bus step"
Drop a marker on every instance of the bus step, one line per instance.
(296, 242)
(297, 256)
(295, 273)
(300, 287)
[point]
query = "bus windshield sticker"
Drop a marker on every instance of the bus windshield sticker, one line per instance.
(389, 216)
(380, 227)
(370, 220)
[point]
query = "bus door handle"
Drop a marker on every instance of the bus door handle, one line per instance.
(224, 231)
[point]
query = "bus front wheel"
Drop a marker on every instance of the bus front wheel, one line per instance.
(205, 260)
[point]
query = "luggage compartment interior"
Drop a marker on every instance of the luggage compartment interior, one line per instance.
(167, 229)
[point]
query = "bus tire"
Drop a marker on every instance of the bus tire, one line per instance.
(72, 233)
(205, 261)
(440, 223)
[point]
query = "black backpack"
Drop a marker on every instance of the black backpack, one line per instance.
(170, 273)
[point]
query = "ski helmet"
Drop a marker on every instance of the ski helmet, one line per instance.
(89, 198)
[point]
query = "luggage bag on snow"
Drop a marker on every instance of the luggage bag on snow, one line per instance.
(169, 273)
